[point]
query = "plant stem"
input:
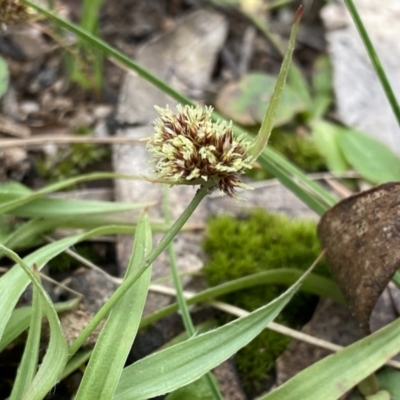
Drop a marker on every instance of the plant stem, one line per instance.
(167, 238)
(186, 318)
(374, 59)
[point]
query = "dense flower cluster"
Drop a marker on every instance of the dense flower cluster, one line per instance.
(190, 148)
(13, 12)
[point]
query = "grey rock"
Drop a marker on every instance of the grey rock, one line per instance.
(361, 102)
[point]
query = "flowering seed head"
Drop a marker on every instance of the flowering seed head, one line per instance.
(13, 12)
(189, 148)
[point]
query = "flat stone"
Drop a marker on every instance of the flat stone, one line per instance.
(360, 100)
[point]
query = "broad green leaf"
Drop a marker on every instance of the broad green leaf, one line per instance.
(197, 390)
(299, 84)
(4, 77)
(333, 376)
(322, 86)
(326, 138)
(29, 362)
(370, 158)
(116, 338)
(20, 320)
(55, 359)
(246, 101)
(179, 365)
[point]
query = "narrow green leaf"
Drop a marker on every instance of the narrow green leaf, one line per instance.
(326, 137)
(76, 362)
(268, 123)
(148, 260)
(313, 194)
(4, 77)
(56, 355)
(333, 376)
(312, 283)
(20, 320)
(53, 208)
(29, 362)
(369, 157)
(21, 201)
(116, 338)
(14, 282)
(375, 61)
(179, 365)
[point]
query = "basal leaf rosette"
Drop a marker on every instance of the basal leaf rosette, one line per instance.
(190, 148)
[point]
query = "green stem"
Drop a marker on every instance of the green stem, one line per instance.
(374, 59)
(186, 318)
(167, 238)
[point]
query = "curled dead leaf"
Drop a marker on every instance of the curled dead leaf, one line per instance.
(361, 235)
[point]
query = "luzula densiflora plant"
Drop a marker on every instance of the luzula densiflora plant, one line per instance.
(190, 148)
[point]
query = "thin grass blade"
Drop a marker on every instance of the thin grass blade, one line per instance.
(55, 359)
(179, 365)
(116, 338)
(286, 169)
(264, 133)
(20, 201)
(56, 208)
(20, 320)
(374, 58)
(333, 376)
(14, 282)
(312, 283)
(29, 362)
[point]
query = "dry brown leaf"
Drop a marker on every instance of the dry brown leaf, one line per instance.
(361, 235)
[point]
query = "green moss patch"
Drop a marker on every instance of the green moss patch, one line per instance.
(259, 242)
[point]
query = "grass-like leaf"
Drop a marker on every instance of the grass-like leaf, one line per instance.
(313, 194)
(179, 365)
(116, 338)
(55, 359)
(375, 61)
(264, 133)
(333, 376)
(20, 320)
(14, 282)
(29, 362)
(10, 205)
(53, 208)
(312, 283)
